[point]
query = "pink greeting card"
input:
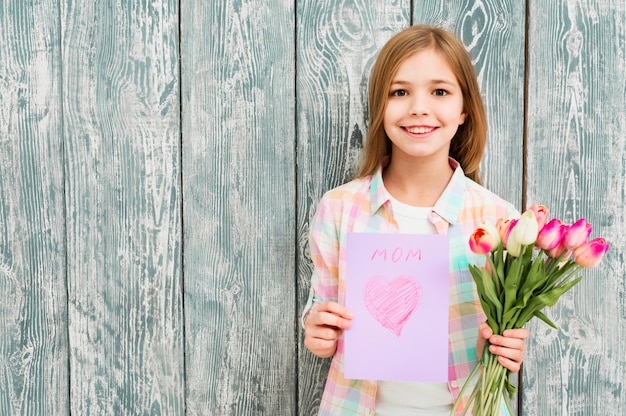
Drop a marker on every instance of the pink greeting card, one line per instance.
(397, 286)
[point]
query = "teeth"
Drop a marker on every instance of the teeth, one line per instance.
(419, 130)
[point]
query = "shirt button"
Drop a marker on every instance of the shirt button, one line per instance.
(454, 384)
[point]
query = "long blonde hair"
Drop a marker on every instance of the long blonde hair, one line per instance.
(468, 144)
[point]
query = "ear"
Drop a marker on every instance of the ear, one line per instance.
(462, 118)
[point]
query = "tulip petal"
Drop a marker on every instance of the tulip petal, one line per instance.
(591, 253)
(577, 234)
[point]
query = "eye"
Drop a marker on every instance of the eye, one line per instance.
(399, 93)
(440, 92)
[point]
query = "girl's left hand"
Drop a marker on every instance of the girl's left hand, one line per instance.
(509, 347)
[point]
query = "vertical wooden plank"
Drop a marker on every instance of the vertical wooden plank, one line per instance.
(337, 43)
(33, 308)
(239, 198)
(493, 33)
(576, 154)
(121, 103)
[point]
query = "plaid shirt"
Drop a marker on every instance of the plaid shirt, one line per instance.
(363, 205)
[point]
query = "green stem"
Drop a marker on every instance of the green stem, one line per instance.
(568, 276)
(492, 385)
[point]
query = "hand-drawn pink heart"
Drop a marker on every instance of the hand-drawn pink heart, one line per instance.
(391, 303)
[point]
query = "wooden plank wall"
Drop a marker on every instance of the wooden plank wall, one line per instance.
(123, 206)
(576, 164)
(160, 162)
(337, 45)
(33, 270)
(239, 199)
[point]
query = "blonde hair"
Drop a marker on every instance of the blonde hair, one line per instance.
(468, 144)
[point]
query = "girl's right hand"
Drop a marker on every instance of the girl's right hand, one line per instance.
(323, 327)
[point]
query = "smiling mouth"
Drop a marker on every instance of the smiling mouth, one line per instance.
(419, 130)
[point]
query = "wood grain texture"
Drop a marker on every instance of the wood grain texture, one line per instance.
(337, 43)
(493, 33)
(33, 306)
(576, 166)
(239, 199)
(122, 142)
(274, 115)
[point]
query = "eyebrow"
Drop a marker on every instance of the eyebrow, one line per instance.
(432, 82)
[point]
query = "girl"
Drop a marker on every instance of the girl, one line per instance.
(420, 174)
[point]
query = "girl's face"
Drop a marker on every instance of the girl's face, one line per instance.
(424, 107)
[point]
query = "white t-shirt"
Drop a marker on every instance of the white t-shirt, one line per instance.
(401, 398)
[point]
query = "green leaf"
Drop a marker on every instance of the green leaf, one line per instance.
(538, 302)
(536, 272)
(556, 275)
(490, 293)
(498, 280)
(498, 263)
(545, 319)
(511, 284)
(510, 387)
(512, 314)
(488, 308)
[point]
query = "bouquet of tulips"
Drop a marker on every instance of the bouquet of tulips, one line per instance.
(531, 262)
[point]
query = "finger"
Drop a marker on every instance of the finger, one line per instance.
(331, 314)
(324, 332)
(508, 342)
(512, 354)
(323, 319)
(319, 344)
(330, 319)
(337, 309)
(509, 364)
(320, 347)
(521, 333)
(484, 330)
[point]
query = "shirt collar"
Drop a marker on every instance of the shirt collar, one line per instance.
(378, 195)
(448, 206)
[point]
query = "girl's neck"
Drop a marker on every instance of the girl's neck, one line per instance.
(417, 183)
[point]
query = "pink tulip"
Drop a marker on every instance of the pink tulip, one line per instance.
(551, 234)
(590, 254)
(484, 239)
(577, 234)
(504, 228)
(541, 213)
(557, 251)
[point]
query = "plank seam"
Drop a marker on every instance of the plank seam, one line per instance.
(520, 377)
(182, 205)
(61, 80)
(296, 222)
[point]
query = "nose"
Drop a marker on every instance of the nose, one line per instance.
(418, 105)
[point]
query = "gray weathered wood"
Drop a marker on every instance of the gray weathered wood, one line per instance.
(239, 199)
(337, 45)
(122, 148)
(92, 204)
(576, 153)
(33, 305)
(493, 33)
